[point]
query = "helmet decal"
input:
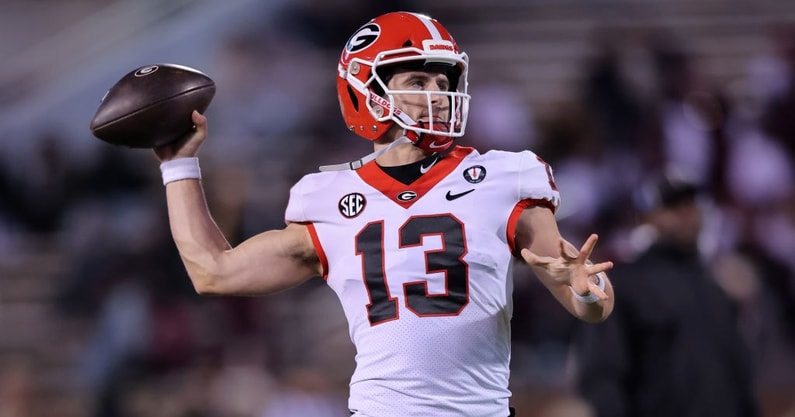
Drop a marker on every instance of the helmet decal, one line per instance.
(429, 25)
(363, 38)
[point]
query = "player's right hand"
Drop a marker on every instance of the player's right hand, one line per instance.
(187, 146)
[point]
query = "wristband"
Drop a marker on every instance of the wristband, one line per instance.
(590, 298)
(180, 169)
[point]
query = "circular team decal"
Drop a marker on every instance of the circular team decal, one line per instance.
(351, 205)
(364, 37)
(407, 196)
(475, 174)
(146, 71)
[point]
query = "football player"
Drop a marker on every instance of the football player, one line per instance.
(418, 239)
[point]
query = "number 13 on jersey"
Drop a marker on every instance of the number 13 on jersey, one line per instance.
(449, 260)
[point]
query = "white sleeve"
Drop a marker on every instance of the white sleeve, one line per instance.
(295, 213)
(536, 181)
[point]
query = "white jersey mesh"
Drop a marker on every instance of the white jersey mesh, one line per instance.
(425, 282)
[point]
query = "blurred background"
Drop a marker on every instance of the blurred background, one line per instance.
(97, 316)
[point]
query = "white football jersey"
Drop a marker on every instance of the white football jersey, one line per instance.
(424, 275)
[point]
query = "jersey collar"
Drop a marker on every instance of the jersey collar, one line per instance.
(406, 195)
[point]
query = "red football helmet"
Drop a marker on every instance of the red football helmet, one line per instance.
(394, 40)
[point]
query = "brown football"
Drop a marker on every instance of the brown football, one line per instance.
(152, 105)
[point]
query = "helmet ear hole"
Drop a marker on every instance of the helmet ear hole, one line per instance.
(354, 99)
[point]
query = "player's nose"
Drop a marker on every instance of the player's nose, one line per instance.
(436, 99)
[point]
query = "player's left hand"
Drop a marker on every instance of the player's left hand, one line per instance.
(572, 267)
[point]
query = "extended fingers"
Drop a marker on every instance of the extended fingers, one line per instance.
(599, 268)
(571, 253)
(533, 259)
(583, 284)
(529, 257)
(567, 250)
(594, 289)
(587, 248)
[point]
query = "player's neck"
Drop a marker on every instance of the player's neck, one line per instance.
(402, 154)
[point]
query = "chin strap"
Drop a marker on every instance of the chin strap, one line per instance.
(429, 142)
(354, 165)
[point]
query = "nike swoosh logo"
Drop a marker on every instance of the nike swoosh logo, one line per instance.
(433, 145)
(424, 169)
(450, 196)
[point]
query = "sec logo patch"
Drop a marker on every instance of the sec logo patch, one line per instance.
(351, 205)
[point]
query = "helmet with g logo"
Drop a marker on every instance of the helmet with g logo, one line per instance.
(395, 40)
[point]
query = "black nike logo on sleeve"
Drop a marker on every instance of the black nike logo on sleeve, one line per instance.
(450, 196)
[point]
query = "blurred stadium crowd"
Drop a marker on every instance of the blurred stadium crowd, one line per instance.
(98, 317)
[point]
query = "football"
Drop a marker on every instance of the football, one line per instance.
(152, 105)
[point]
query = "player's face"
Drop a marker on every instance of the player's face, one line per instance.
(422, 107)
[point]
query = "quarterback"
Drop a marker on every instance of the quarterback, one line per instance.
(418, 239)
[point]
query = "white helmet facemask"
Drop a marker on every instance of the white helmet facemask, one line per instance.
(434, 135)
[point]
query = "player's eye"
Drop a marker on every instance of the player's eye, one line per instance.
(417, 83)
